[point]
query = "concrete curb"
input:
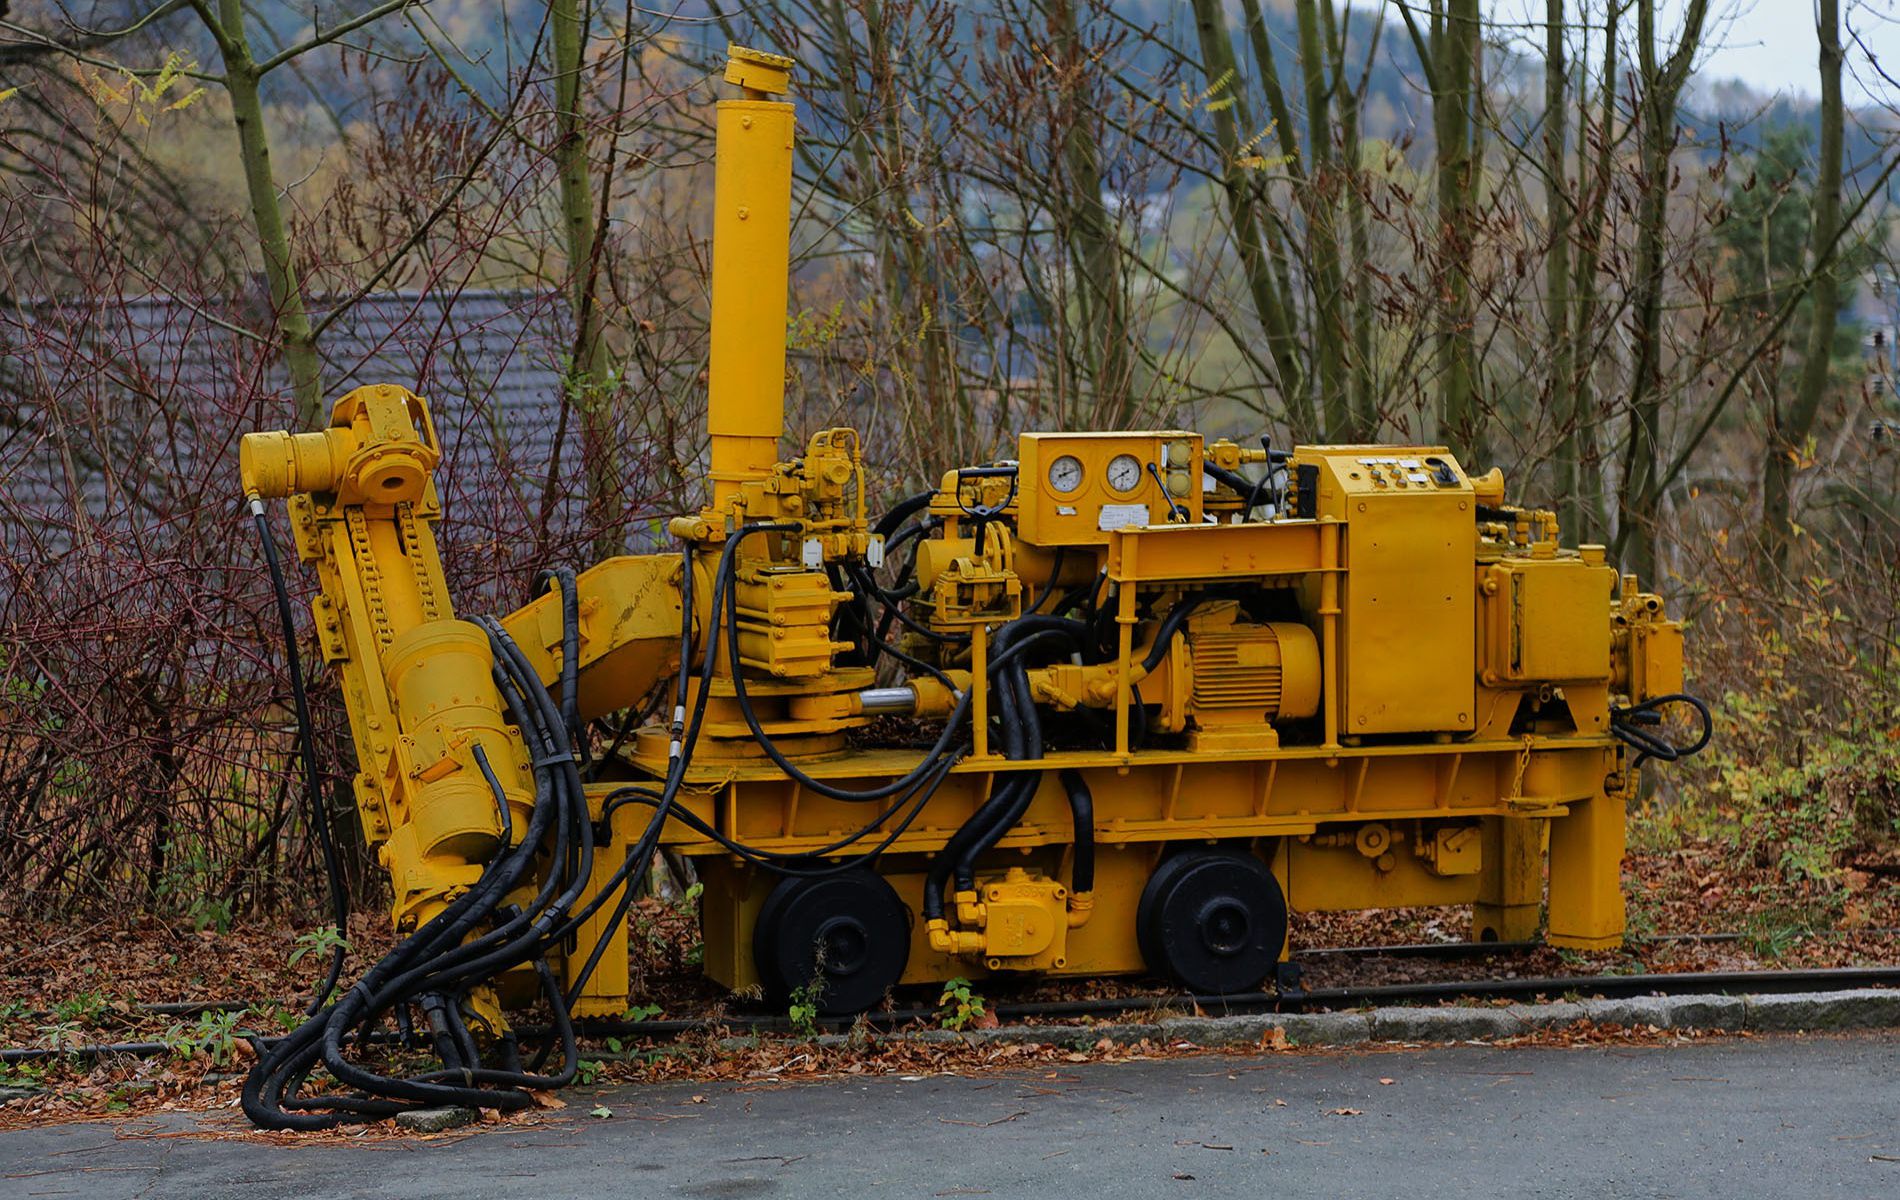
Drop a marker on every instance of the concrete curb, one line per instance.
(1862, 1008)
(1791, 1012)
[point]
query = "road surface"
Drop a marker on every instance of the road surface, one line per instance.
(1768, 1117)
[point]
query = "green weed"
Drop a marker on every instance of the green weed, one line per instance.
(959, 1004)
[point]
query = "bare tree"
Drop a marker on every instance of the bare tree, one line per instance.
(1661, 80)
(1788, 432)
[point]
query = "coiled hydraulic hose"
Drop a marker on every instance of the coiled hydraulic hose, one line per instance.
(1632, 726)
(436, 966)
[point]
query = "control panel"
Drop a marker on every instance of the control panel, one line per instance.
(1407, 602)
(1420, 470)
(1076, 488)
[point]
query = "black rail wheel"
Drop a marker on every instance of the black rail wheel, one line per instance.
(1213, 921)
(850, 927)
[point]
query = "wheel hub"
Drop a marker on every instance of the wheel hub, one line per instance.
(849, 932)
(1214, 921)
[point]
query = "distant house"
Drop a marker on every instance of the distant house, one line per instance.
(106, 407)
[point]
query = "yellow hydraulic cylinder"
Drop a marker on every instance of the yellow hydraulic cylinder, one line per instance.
(752, 204)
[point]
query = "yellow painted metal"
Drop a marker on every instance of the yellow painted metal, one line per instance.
(1411, 539)
(1105, 481)
(629, 630)
(1543, 620)
(1396, 695)
(752, 188)
(1510, 900)
(415, 680)
(1650, 662)
(1025, 921)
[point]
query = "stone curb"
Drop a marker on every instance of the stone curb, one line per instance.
(1791, 1012)
(1863, 1008)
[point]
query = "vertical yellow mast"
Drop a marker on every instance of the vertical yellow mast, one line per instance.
(752, 202)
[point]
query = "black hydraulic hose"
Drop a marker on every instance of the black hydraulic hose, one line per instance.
(1049, 588)
(1170, 625)
(270, 1088)
(440, 962)
(563, 578)
(307, 752)
(901, 512)
(1082, 811)
(1631, 727)
(961, 848)
(1021, 730)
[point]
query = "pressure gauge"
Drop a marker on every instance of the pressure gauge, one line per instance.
(1124, 472)
(1065, 473)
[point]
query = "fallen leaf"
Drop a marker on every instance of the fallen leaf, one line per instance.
(547, 1100)
(1344, 1112)
(601, 1111)
(699, 1099)
(1387, 1082)
(1182, 1175)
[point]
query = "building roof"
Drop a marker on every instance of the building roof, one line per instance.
(140, 402)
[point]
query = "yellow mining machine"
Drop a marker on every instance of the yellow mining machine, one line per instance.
(1116, 705)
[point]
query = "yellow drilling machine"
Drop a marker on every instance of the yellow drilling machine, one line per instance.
(1114, 706)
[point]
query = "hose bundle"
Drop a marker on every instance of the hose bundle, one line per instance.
(479, 935)
(425, 983)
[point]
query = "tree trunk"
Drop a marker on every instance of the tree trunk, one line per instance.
(267, 215)
(1591, 521)
(1788, 436)
(1329, 332)
(1094, 250)
(1639, 499)
(1557, 205)
(1365, 402)
(1246, 217)
(1453, 115)
(590, 383)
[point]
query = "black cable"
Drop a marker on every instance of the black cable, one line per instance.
(901, 512)
(1628, 725)
(1170, 626)
(1082, 814)
(442, 961)
(307, 752)
(1048, 588)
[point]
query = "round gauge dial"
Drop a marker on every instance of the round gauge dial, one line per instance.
(1124, 472)
(1065, 473)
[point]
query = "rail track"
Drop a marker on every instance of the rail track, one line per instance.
(1292, 1000)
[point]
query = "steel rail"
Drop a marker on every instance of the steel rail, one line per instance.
(1605, 986)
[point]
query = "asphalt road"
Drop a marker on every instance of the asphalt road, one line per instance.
(1772, 1117)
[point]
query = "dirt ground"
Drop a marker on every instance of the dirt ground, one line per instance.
(1691, 909)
